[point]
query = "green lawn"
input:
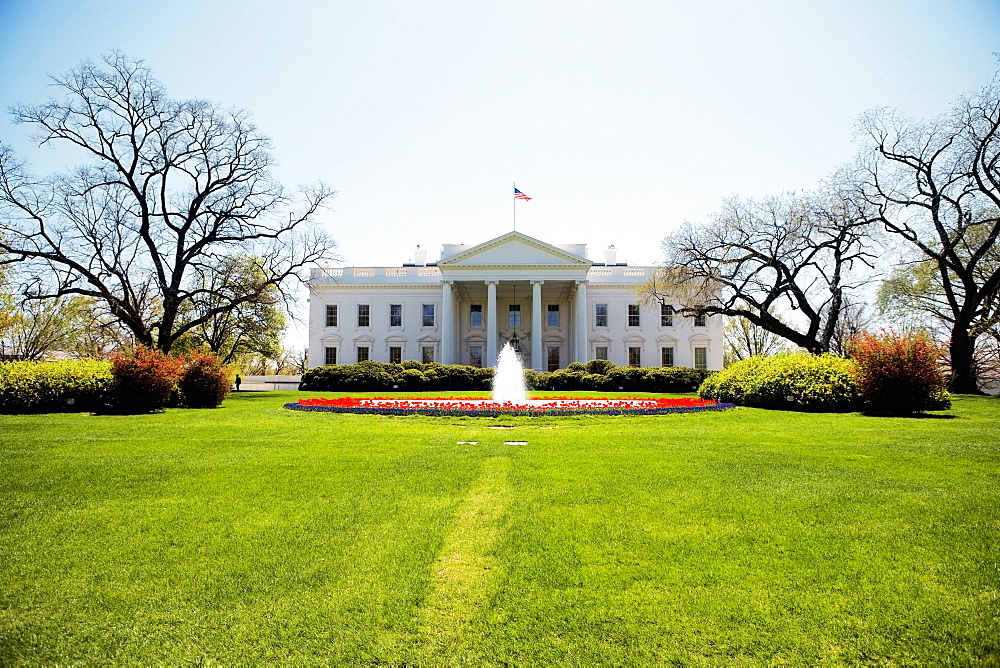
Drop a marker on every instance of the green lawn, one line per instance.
(251, 533)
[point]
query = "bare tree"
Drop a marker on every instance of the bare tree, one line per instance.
(855, 317)
(743, 340)
(913, 297)
(936, 185)
(171, 190)
(755, 259)
(43, 328)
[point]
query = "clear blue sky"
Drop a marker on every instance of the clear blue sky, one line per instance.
(621, 119)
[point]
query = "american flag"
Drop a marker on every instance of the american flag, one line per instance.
(520, 195)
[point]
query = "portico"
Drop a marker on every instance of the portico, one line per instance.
(553, 303)
(514, 276)
(538, 316)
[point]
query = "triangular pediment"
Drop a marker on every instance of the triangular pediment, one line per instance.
(514, 249)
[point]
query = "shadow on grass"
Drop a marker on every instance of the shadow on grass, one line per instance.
(912, 416)
(245, 395)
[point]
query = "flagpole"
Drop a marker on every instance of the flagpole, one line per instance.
(515, 206)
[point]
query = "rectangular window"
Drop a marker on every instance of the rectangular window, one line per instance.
(362, 353)
(331, 315)
(395, 354)
(331, 356)
(666, 356)
(475, 315)
(427, 354)
(552, 355)
(395, 315)
(364, 315)
(634, 356)
(666, 315)
(476, 356)
(600, 315)
(601, 353)
(514, 315)
(633, 315)
(553, 315)
(701, 358)
(428, 315)
(701, 320)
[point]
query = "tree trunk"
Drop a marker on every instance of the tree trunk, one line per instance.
(963, 369)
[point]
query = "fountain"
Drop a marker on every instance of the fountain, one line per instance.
(508, 379)
(509, 397)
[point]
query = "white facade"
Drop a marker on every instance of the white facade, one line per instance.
(555, 303)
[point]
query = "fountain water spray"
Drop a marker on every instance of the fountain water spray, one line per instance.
(508, 378)
(509, 397)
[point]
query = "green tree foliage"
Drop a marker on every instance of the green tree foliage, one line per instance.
(251, 328)
(67, 325)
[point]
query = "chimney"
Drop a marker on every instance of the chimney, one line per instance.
(420, 256)
(610, 256)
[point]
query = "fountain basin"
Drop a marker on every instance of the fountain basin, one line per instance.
(509, 398)
(492, 408)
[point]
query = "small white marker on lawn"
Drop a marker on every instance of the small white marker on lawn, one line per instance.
(515, 442)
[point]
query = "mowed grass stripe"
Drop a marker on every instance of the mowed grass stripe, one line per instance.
(468, 571)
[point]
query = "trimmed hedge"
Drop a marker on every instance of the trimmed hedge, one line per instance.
(371, 376)
(598, 375)
(790, 381)
(50, 387)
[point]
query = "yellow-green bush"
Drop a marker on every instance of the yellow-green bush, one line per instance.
(790, 381)
(48, 387)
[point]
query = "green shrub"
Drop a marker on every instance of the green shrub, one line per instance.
(204, 381)
(790, 381)
(599, 367)
(566, 379)
(534, 379)
(48, 387)
(674, 379)
(899, 374)
(371, 376)
(143, 380)
(627, 379)
(412, 380)
(414, 376)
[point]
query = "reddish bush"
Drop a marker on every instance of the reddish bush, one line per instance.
(143, 380)
(205, 381)
(899, 374)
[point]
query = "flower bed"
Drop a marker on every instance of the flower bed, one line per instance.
(490, 408)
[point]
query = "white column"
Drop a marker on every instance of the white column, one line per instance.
(447, 323)
(536, 325)
(581, 321)
(491, 323)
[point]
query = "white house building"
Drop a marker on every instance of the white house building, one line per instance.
(553, 303)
